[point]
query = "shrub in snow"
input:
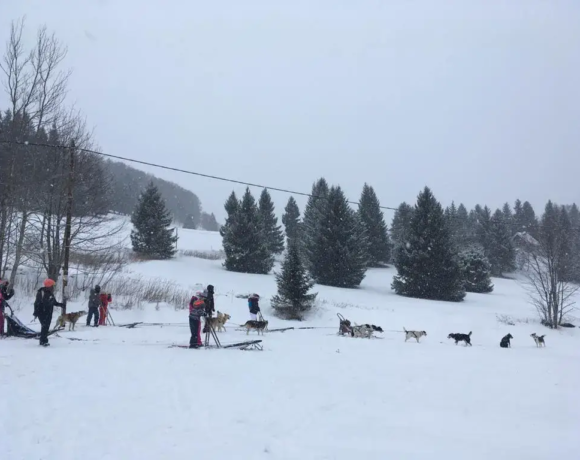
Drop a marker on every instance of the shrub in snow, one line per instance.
(294, 283)
(476, 271)
(427, 266)
(151, 236)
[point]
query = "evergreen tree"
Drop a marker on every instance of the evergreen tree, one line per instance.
(151, 236)
(243, 242)
(313, 215)
(209, 222)
(291, 220)
(500, 249)
(574, 216)
(372, 218)
(294, 283)
(401, 224)
(338, 252)
(476, 271)
(453, 223)
(465, 232)
(272, 232)
(529, 221)
(508, 218)
(190, 222)
(566, 248)
(427, 266)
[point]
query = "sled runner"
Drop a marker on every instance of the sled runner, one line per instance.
(17, 328)
(250, 345)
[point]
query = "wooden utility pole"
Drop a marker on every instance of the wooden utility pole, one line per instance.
(67, 228)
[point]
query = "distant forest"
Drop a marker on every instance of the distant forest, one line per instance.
(127, 183)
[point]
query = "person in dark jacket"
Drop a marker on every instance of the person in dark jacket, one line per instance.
(254, 306)
(209, 304)
(5, 294)
(197, 309)
(94, 304)
(43, 307)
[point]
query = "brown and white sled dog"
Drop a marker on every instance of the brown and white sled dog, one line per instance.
(414, 335)
(70, 318)
(258, 326)
(218, 323)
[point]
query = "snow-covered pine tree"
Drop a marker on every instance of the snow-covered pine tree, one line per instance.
(500, 250)
(476, 271)
(453, 224)
(294, 283)
(371, 216)
(272, 232)
(338, 251)
(291, 220)
(245, 248)
(209, 222)
(151, 236)
(313, 212)
(190, 222)
(574, 216)
(401, 224)
(465, 235)
(427, 265)
(508, 217)
(529, 220)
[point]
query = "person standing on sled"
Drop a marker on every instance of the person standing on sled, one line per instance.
(254, 306)
(5, 294)
(105, 299)
(196, 311)
(209, 304)
(94, 304)
(43, 307)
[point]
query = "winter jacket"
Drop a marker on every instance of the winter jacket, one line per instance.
(94, 299)
(45, 302)
(196, 308)
(5, 294)
(105, 299)
(253, 305)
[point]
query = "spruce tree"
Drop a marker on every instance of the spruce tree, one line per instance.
(151, 236)
(500, 249)
(401, 224)
(574, 216)
(291, 220)
(294, 283)
(312, 220)
(465, 232)
(272, 232)
(476, 271)
(338, 252)
(190, 222)
(427, 265)
(372, 218)
(453, 223)
(245, 248)
(529, 221)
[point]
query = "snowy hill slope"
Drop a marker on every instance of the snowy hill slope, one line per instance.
(123, 394)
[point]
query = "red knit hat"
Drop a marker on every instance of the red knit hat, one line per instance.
(49, 282)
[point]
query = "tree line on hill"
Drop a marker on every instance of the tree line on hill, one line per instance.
(439, 253)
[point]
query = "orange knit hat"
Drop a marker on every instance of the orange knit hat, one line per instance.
(49, 283)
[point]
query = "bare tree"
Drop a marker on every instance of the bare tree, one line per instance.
(547, 266)
(36, 88)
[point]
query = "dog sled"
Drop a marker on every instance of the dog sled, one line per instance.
(248, 345)
(16, 328)
(345, 327)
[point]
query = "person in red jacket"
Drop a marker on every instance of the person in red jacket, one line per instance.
(196, 311)
(106, 299)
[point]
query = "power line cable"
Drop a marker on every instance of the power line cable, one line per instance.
(170, 168)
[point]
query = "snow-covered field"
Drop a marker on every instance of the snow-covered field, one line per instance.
(123, 394)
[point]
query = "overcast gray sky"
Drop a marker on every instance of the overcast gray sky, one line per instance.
(478, 99)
